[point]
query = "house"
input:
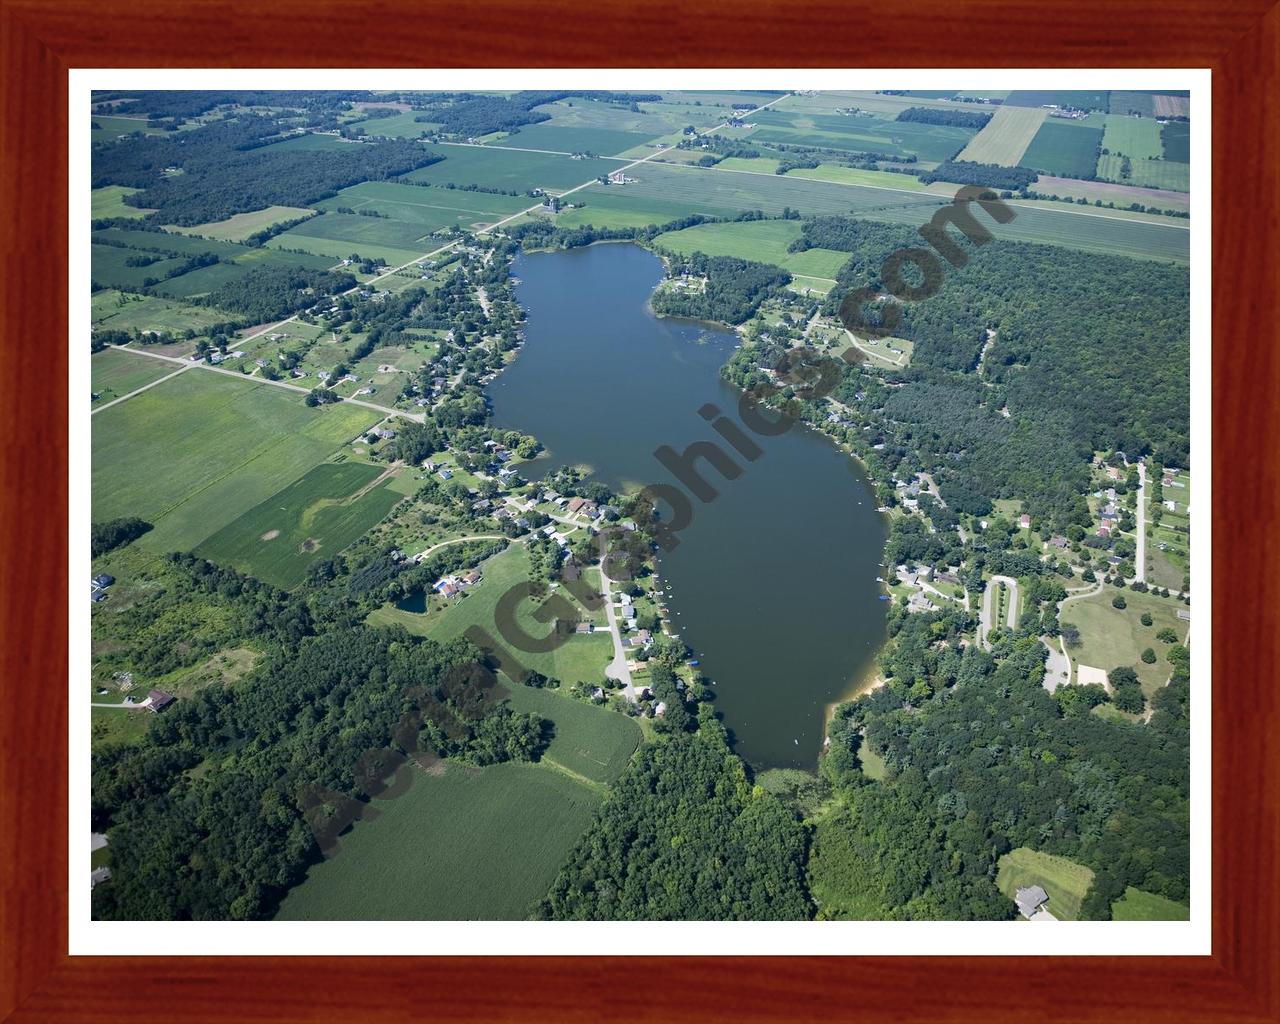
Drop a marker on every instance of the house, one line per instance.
(1059, 542)
(98, 595)
(661, 709)
(1104, 530)
(159, 700)
(920, 603)
(1030, 899)
(584, 627)
(445, 475)
(99, 875)
(1024, 521)
(1171, 505)
(103, 580)
(575, 504)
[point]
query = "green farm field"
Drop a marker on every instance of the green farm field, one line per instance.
(1135, 137)
(318, 516)
(1113, 638)
(600, 141)
(1066, 882)
(240, 226)
(578, 659)
(510, 169)
(108, 201)
(1137, 905)
(106, 128)
(764, 241)
(428, 206)
(400, 126)
(1175, 138)
(109, 267)
(1163, 174)
(860, 134)
(127, 312)
(468, 844)
(116, 372)
(1005, 137)
(334, 249)
(196, 452)
(1107, 192)
(590, 741)
(846, 175)
(664, 193)
(1063, 148)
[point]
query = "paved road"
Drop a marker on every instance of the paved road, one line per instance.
(618, 668)
(190, 364)
(1140, 565)
(1057, 669)
(138, 391)
(988, 605)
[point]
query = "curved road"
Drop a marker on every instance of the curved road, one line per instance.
(988, 599)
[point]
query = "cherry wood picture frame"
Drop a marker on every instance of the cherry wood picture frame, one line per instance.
(39, 41)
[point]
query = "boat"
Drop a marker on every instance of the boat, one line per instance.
(884, 597)
(879, 579)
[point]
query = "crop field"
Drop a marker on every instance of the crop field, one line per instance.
(318, 516)
(1066, 882)
(107, 128)
(1108, 192)
(510, 169)
(1124, 102)
(110, 267)
(334, 249)
(402, 126)
(428, 206)
(1136, 137)
(312, 142)
(1080, 99)
(600, 141)
(764, 241)
(127, 312)
(1005, 137)
(196, 452)
(877, 103)
(241, 225)
(578, 659)
(168, 243)
(1114, 638)
(1171, 106)
(470, 843)
(115, 373)
(1162, 174)
(1137, 905)
(108, 201)
(847, 176)
(860, 134)
(652, 120)
(1063, 148)
(590, 741)
(356, 230)
(1175, 138)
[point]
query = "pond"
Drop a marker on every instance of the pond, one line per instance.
(772, 585)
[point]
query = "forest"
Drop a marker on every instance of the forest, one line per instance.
(228, 167)
(974, 119)
(734, 291)
(684, 835)
(980, 760)
(273, 293)
(968, 172)
(325, 720)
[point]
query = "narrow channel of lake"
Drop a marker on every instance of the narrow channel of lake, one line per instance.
(773, 584)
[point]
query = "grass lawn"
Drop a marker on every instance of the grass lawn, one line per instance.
(1066, 882)
(578, 659)
(108, 727)
(195, 452)
(1136, 905)
(1005, 137)
(764, 241)
(108, 201)
(1112, 637)
(240, 226)
(318, 516)
(470, 844)
(590, 740)
(115, 372)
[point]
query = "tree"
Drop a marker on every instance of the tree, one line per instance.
(1118, 601)
(1146, 619)
(1149, 656)
(1167, 636)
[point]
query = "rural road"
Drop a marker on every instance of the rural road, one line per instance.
(189, 364)
(138, 391)
(616, 669)
(988, 603)
(458, 540)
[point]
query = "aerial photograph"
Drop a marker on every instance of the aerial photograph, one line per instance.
(541, 505)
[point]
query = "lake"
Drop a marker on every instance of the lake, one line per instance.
(773, 583)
